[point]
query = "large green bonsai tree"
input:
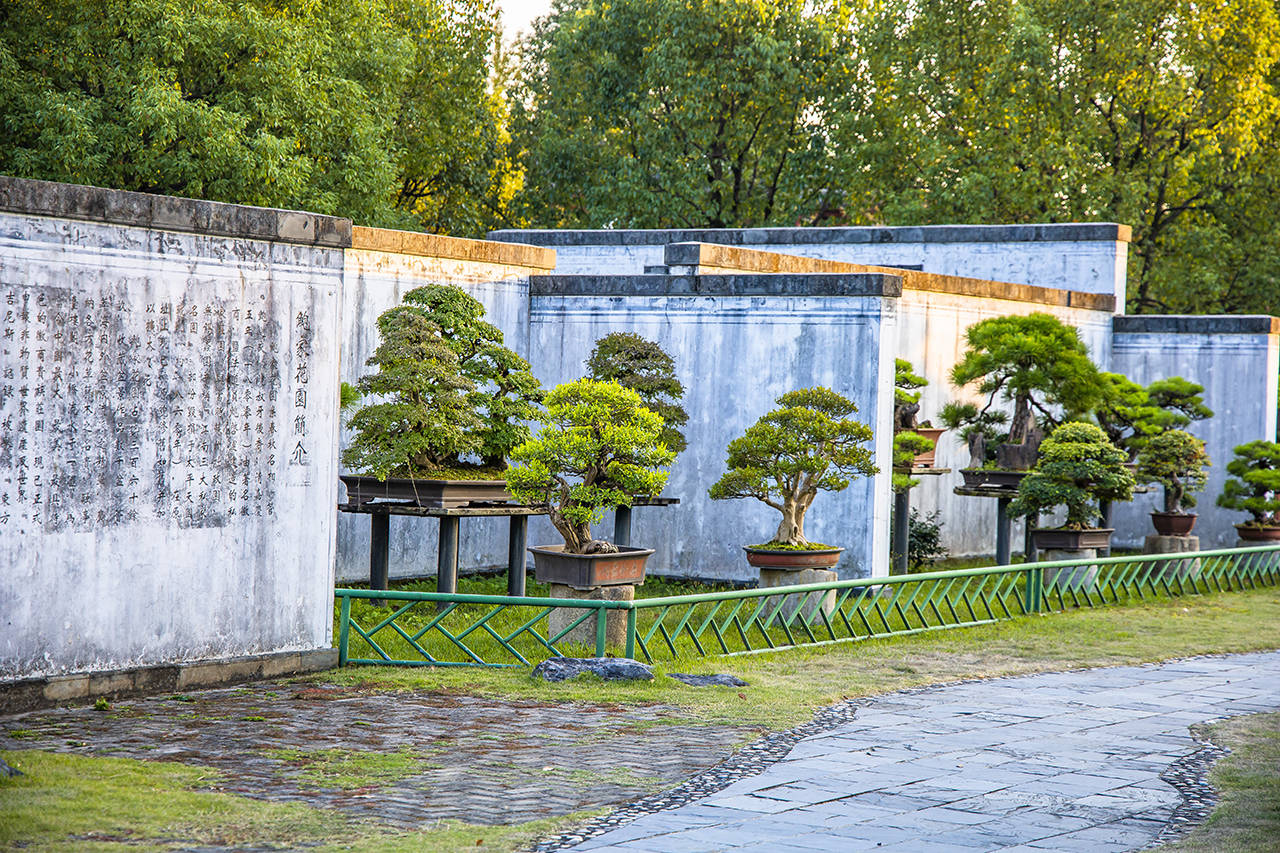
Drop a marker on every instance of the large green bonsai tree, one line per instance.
(446, 391)
(1037, 362)
(1126, 413)
(1254, 485)
(807, 445)
(1078, 468)
(597, 448)
(644, 367)
(1176, 460)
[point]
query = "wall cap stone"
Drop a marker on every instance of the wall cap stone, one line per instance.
(1071, 232)
(814, 284)
(458, 248)
(1195, 324)
(170, 213)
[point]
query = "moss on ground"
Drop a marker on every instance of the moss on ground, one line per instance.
(350, 769)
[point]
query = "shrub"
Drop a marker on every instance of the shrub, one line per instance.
(647, 369)
(1176, 460)
(598, 447)
(924, 539)
(784, 459)
(1254, 485)
(1078, 468)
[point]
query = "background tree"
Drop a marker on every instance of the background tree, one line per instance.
(646, 368)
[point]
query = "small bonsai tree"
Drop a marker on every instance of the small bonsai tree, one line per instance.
(1078, 468)
(446, 390)
(1254, 486)
(906, 399)
(644, 367)
(906, 447)
(597, 448)
(1036, 362)
(1176, 460)
(1179, 402)
(980, 430)
(1126, 414)
(807, 445)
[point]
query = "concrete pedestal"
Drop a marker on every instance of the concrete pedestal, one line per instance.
(1156, 544)
(615, 633)
(1071, 578)
(809, 601)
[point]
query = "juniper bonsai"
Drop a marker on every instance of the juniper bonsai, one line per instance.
(646, 368)
(1254, 485)
(1078, 468)
(1176, 460)
(807, 445)
(598, 447)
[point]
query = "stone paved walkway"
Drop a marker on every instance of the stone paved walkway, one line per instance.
(1063, 762)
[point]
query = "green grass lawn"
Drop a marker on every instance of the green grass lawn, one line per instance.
(70, 802)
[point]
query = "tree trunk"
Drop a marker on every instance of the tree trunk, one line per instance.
(791, 528)
(576, 535)
(1021, 424)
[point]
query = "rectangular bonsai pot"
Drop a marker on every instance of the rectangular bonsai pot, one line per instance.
(447, 494)
(1058, 539)
(552, 565)
(992, 478)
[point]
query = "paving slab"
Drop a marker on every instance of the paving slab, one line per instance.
(1060, 761)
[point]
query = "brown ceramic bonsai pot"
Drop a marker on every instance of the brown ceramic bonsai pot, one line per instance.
(1258, 533)
(427, 493)
(1173, 523)
(552, 565)
(1063, 539)
(928, 458)
(991, 478)
(792, 560)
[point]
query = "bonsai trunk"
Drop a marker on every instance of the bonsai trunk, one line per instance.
(1173, 495)
(576, 534)
(791, 528)
(1022, 419)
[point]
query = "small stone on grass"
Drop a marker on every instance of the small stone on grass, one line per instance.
(720, 679)
(610, 669)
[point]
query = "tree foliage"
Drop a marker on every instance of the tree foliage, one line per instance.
(646, 368)
(1127, 414)
(598, 447)
(1078, 469)
(808, 444)
(1254, 485)
(1179, 401)
(907, 445)
(1176, 460)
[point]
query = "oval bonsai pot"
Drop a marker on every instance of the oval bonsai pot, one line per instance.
(427, 493)
(793, 560)
(929, 457)
(1173, 523)
(1062, 539)
(991, 478)
(552, 565)
(1258, 533)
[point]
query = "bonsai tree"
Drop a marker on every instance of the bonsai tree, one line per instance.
(1126, 413)
(1077, 469)
(1178, 401)
(1036, 362)
(598, 446)
(906, 399)
(980, 430)
(1254, 485)
(906, 447)
(807, 445)
(446, 391)
(1176, 460)
(644, 367)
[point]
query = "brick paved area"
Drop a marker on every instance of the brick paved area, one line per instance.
(484, 761)
(1062, 762)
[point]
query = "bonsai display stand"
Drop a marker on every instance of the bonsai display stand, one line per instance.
(615, 630)
(1003, 525)
(1076, 578)
(900, 534)
(622, 517)
(1157, 544)
(807, 602)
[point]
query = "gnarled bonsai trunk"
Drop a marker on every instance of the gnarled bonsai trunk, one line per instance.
(1022, 420)
(1173, 495)
(576, 534)
(791, 528)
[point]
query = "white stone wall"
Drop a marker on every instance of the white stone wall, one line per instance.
(167, 418)
(735, 355)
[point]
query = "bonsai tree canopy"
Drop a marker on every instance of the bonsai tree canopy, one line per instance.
(807, 445)
(1078, 468)
(597, 448)
(1179, 402)
(1176, 460)
(906, 399)
(644, 367)
(1126, 413)
(1254, 485)
(907, 446)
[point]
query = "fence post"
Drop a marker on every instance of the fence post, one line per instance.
(1033, 592)
(631, 632)
(344, 630)
(602, 617)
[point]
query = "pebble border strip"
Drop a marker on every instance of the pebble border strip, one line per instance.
(1189, 775)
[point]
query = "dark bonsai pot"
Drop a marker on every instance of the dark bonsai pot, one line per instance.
(426, 493)
(1174, 523)
(1258, 533)
(991, 478)
(1062, 539)
(626, 566)
(793, 560)
(929, 457)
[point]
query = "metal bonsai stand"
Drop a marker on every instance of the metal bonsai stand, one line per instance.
(450, 517)
(1003, 525)
(901, 533)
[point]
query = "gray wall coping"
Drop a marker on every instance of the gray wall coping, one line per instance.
(1196, 324)
(1068, 232)
(814, 284)
(170, 213)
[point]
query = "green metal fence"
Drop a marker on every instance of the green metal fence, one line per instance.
(447, 629)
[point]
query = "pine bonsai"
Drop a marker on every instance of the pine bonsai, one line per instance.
(979, 430)
(446, 392)
(597, 448)
(907, 446)
(644, 367)
(1176, 460)
(1255, 483)
(1078, 468)
(1126, 414)
(1179, 402)
(807, 445)
(906, 397)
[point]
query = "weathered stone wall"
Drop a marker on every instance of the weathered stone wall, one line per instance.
(381, 266)
(1236, 359)
(168, 391)
(738, 343)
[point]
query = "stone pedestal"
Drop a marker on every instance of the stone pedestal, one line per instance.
(1073, 577)
(615, 633)
(806, 602)
(1156, 544)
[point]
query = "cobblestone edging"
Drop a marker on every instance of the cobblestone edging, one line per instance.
(1189, 775)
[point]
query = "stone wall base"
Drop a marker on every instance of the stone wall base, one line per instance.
(33, 693)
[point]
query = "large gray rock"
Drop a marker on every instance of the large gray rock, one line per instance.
(6, 770)
(720, 679)
(610, 669)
